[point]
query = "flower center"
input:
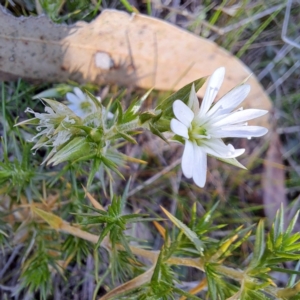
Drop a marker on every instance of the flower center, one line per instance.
(85, 106)
(197, 132)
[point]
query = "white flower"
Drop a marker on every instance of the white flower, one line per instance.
(53, 125)
(82, 105)
(203, 127)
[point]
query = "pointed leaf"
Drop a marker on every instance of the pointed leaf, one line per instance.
(146, 116)
(279, 222)
(125, 194)
(292, 224)
(137, 105)
(73, 150)
(111, 165)
(103, 234)
(191, 235)
(155, 131)
(259, 246)
(128, 138)
(183, 94)
(120, 112)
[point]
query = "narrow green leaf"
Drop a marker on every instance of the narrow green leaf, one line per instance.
(3, 233)
(212, 287)
(146, 116)
(191, 235)
(127, 137)
(183, 94)
(155, 279)
(206, 218)
(155, 131)
(291, 242)
(131, 112)
(58, 106)
(120, 112)
(278, 224)
(103, 234)
(259, 246)
(125, 194)
(33, 121)
(95, 100)
(111, 165)
(94, 170)
(72, 151)
(287, 271)
(137, 105)
(292, 224)
(50, 93)
(278, 242)
(291, 256)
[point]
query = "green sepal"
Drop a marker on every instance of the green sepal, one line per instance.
(163, 124)
(178, 139)
(232, 161)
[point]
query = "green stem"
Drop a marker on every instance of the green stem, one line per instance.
(237, 275)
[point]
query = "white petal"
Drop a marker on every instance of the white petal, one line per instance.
(212, 90)
(217, 148)
(187, 161)
(72, 98)
(231, 100)
(238, 131)
(178, 128)
(193, 103)
(183, 113)
(110, 115)
(200, 166)
(73, 107)
(78, 92)
(240, 117)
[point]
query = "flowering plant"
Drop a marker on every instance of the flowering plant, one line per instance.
(88, 138)
(204, 127)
